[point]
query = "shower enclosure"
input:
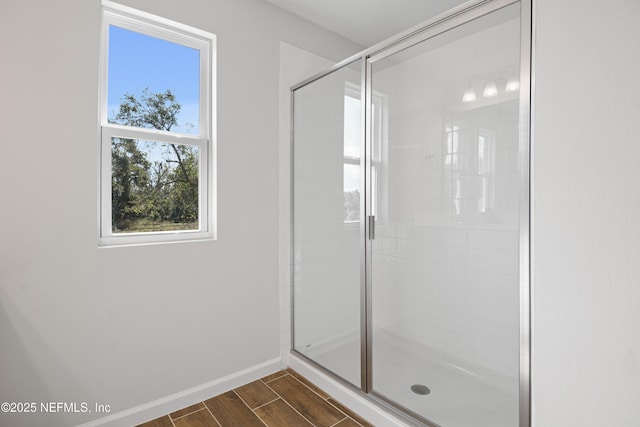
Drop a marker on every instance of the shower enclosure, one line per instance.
(410, 219)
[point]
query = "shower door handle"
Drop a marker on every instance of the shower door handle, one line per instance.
(372, 227)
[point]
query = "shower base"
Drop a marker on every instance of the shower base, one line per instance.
(458, 397)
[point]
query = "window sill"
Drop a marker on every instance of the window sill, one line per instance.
(145, 239)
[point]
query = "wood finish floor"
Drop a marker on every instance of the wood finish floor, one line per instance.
(282, 399)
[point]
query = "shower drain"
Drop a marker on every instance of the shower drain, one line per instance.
(420, 389)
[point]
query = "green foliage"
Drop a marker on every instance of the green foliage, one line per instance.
(151, 111)
(147, 191)
(128, 177)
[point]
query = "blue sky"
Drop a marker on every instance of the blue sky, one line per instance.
(137, 61)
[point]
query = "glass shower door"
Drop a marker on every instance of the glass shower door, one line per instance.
(445, 257)
(326, 221)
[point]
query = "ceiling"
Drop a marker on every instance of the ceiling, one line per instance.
(366, 22)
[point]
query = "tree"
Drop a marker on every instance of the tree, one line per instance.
(142, 188)
(151, 111)
(129, 174)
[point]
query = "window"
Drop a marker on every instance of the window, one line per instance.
(156, 148)
(469, 169)
(352, 139)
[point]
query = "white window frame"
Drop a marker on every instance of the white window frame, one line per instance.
(205, 42)
(379, 138)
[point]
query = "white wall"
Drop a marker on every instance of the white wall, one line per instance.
(586, 214)
(126, 326)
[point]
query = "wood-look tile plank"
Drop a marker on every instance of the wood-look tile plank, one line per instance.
(274, 376)
(185, 411)
(230, 411)
(308, 383)
(158, 422)
(347, 422)
(310, 405)
(255, 394)
(278, 414)
(349, 412)
(202, 418)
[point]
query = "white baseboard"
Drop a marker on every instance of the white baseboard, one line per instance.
(174, 402)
